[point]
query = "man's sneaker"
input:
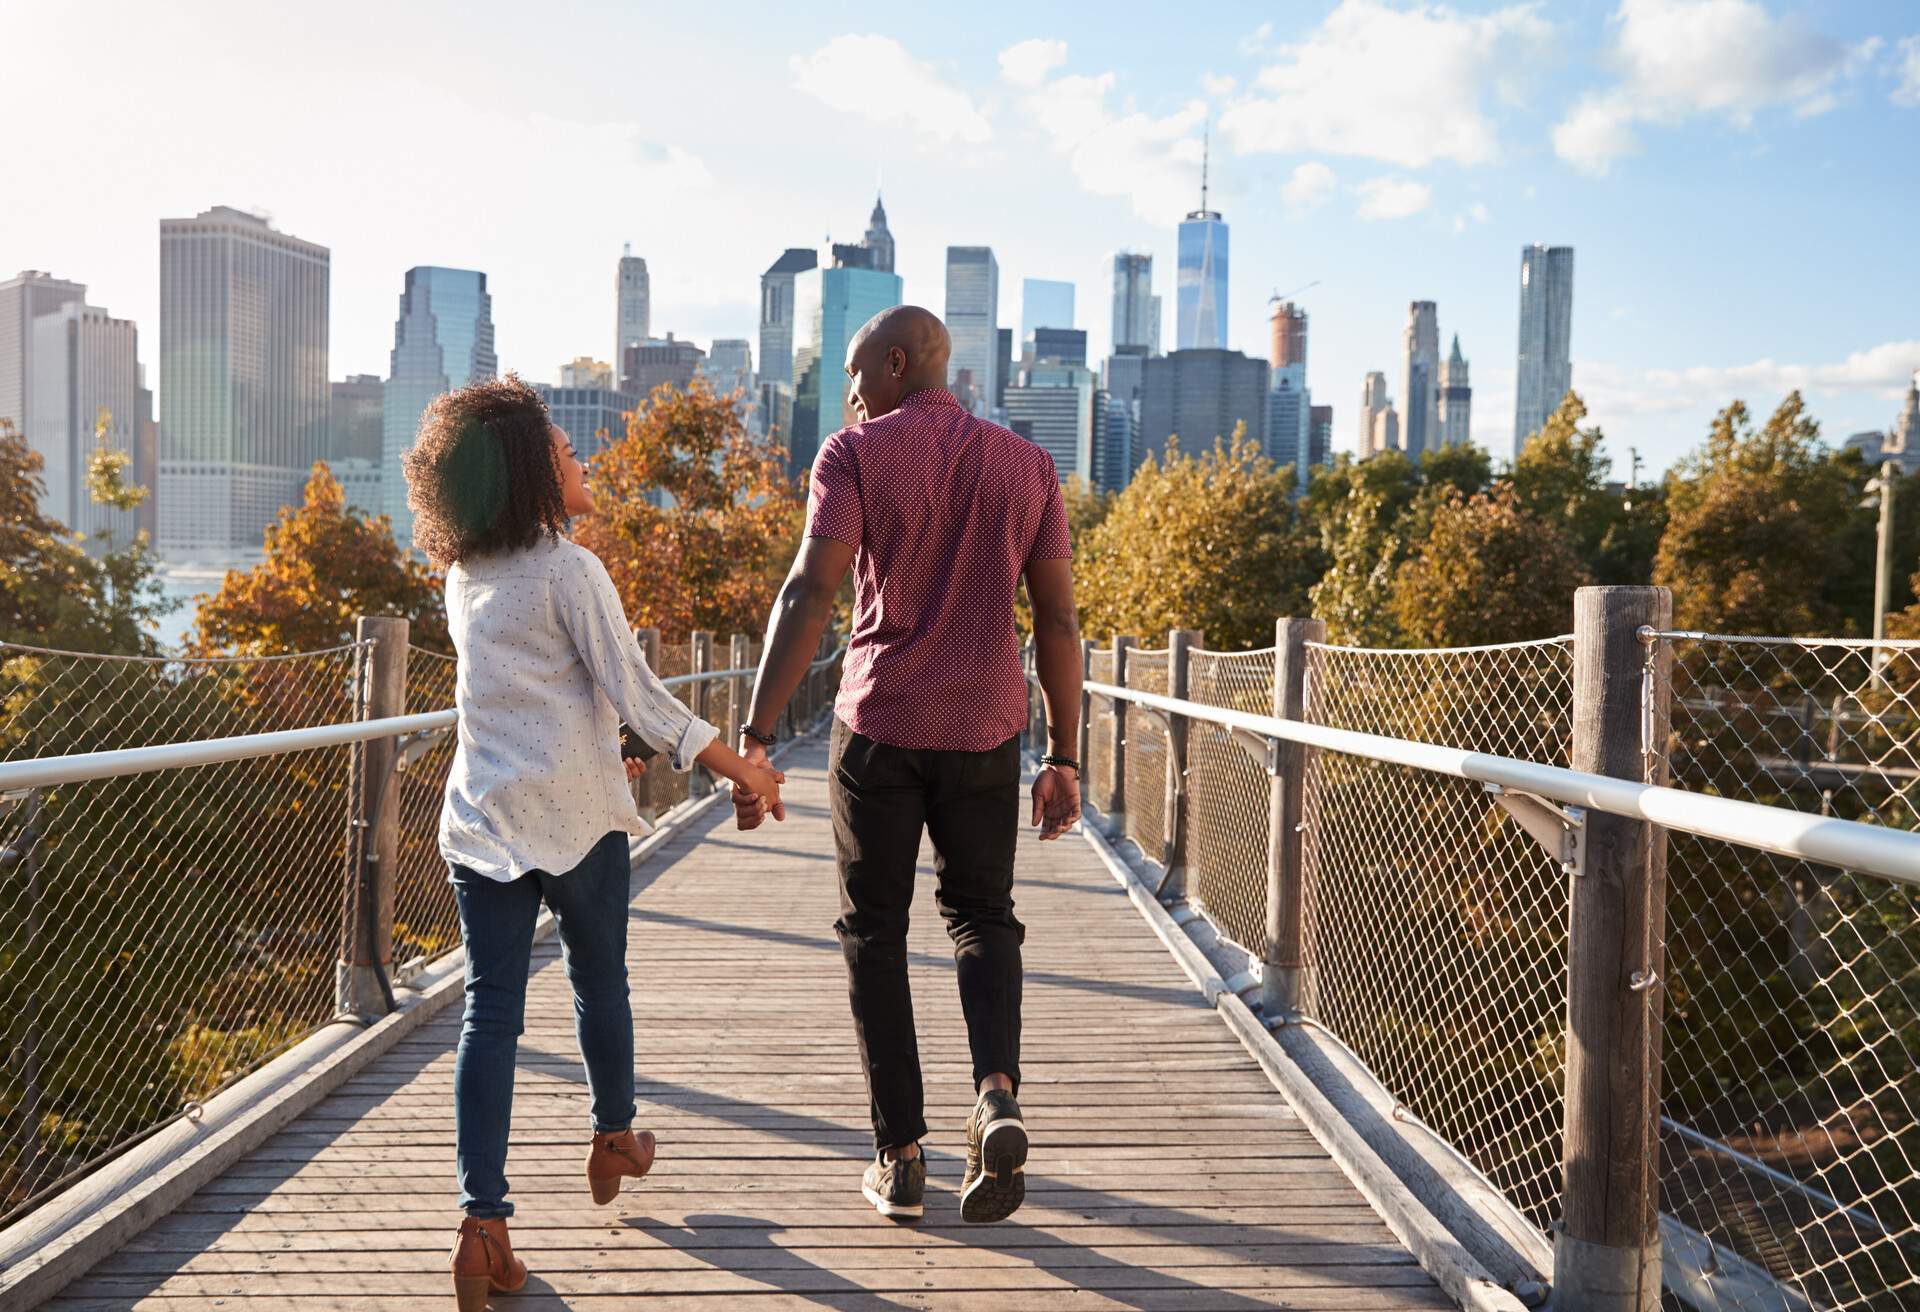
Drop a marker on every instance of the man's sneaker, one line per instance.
(996, 1181)
(897, 1187)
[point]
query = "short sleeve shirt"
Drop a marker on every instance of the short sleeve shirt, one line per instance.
(945, 511)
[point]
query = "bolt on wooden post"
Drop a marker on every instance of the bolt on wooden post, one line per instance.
(1173, 837)
(1286, 978)
(1606, 1253)
(363, 976)
(1114, 804)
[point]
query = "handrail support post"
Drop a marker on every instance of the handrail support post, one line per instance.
(1286, 976)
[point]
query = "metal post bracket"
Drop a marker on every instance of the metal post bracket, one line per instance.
(1561, 831)
(1264, 751)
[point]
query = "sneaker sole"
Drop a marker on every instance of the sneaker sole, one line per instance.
(1001, 1186)
(885, 1208)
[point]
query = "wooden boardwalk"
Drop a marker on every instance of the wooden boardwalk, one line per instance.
(1166, 1171)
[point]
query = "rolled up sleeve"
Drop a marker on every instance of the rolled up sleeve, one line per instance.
(590, 609)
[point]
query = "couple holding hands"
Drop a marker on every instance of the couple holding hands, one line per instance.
(941, 516)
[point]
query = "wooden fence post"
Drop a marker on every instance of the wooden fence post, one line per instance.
(1173, 836)
(1286, 981)
(701, 662)
(739, 688)
(1115, 807)
(1084, 746)
(649, 640)
(1606, 1253)
(363, 979)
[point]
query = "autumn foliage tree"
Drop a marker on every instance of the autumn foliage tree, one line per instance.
(695, 518)
(1489, 571)
(327, 564)
(1207, 542)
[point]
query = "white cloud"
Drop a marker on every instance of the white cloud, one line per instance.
(1681, 58)
(1027, 63)
(1401, 84)
(1255, 42)
(1392, 198)
(1908, 92)
(875, 77)
(1882, 370)
(1310, 185)
(1153, 161)
(1218, 84)
(1474, 213)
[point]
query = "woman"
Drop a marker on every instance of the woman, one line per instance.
(537, 805)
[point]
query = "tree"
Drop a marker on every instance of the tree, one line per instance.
(1087, 506)
(1353, 595)
(1207, 542)
(52, 592)
(1750, 542)
(710, 553)
(326, 565)
(1561, 476)
(1489, 572)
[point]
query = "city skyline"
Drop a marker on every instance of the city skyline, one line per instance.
(1681, 286)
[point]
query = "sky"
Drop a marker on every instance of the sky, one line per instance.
(1737, 177)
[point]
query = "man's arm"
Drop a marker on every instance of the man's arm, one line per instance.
(1056, 659)
(800, 615)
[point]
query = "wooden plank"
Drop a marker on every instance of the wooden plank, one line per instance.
(1167, 1172)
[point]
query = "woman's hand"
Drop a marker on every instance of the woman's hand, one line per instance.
(757, 792)
(635, 768)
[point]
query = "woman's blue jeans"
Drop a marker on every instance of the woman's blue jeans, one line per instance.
(496, 920)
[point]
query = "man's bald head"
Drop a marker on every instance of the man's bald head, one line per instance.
(899, 351)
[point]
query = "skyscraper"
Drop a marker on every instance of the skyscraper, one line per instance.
(593, 416)
(666, 360)
(776, 313)
(878, 239)
(973, 317)
(1003, 366)
(243, 377)
(1136, 310)
(1052, 406)
(1289, 336)
(85, 370)
(1201, 396)
(729, 365)
(442, 339)
(355, 417)
(1373, 400)
(22, 300)
(1060, 345)
(1545, 367)
(830, 305)
(1320, 435)
(1289, 419)
(1456, 399)
(585, 371)
(1113, 424)
(634, 321)
(1203, 277)
(1044, 303)
(1386, 431)
(1420, 380)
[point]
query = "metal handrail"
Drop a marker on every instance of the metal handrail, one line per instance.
(1872, 849)
(51, 771)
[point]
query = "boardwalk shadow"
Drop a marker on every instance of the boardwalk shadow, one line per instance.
(784, 1269)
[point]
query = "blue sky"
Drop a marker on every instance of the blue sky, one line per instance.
(1737, 176)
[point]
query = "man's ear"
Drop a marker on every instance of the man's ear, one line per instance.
(896, 362)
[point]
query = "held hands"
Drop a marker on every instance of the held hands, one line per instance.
(757, 796)
(1056, 801)
(635, 768)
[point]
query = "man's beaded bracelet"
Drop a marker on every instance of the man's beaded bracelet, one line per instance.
(1067, 761)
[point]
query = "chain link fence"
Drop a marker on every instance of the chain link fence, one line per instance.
(1229, 795)
(1146, 755)
(1099, 762)
(164, 933)
(426, 923)
(1792, 1022)
(1436, 930)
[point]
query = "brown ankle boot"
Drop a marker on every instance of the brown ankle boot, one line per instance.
(615, 1155)
(483, 1263)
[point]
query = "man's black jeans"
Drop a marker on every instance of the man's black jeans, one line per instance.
(969, 802)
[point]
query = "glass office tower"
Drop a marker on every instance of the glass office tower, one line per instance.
(829, 307)
(442, 340)
(1203, 282)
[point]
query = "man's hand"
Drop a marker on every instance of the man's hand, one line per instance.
(750, 809)
(1056, 801)
(635, 768)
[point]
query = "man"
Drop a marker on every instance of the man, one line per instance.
(940, 515)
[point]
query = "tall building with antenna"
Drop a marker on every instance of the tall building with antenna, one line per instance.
(878, 239)
(1202, 282)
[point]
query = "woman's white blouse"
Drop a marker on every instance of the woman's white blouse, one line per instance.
(548, 670)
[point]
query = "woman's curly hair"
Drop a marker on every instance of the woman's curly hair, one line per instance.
(481, 476)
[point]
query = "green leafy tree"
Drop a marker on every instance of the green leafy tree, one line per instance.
(1488, 572)
(53, 593)
(1354, 593)
(327, 564)
(1750, 542)
(1208, 542)
(1561, 476)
